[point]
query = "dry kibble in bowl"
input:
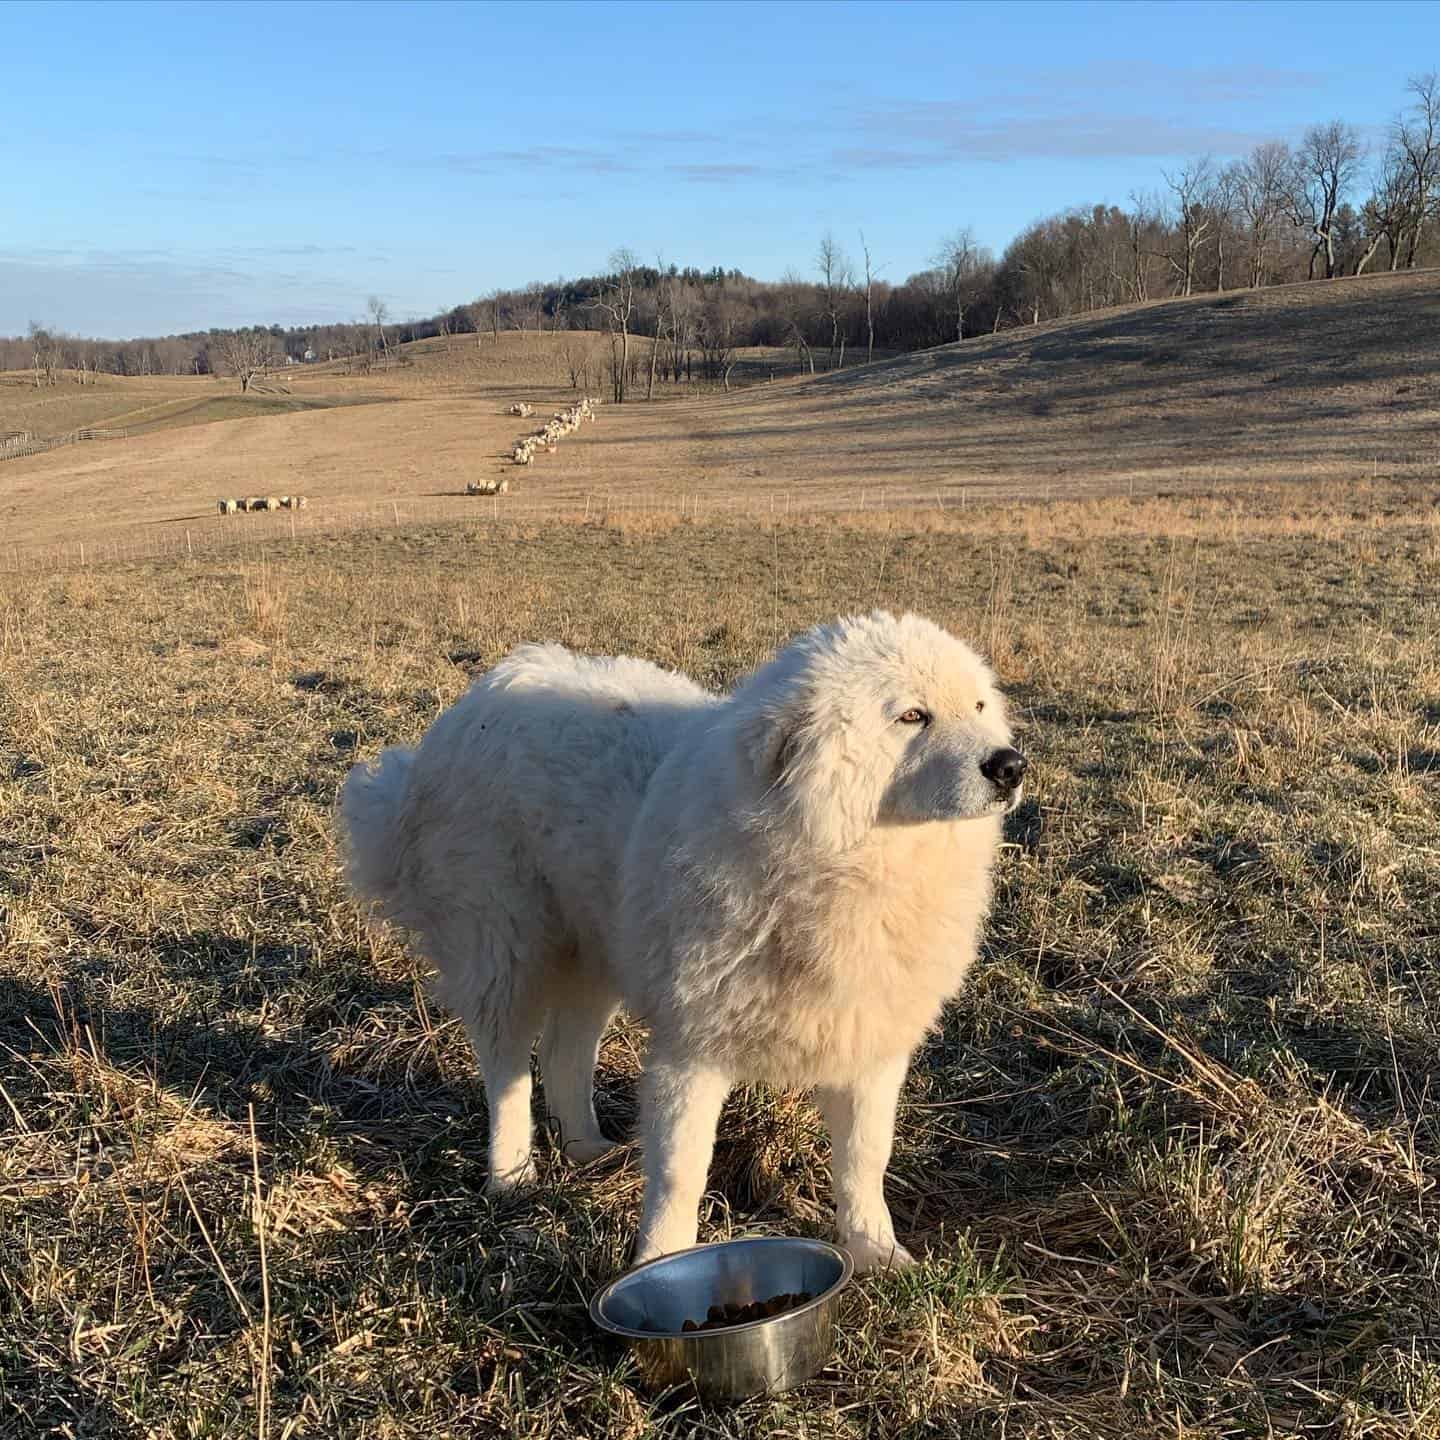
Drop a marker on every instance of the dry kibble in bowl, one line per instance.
(721, 1317)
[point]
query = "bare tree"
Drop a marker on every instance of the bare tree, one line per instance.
(1388, 212)
(616, 302)
(835, 283)
(684, 308)
(1142, 220)
(575, 357)
(664, 289)
(871, 273)
(718, 333)
(476, 313)
(245, 353)
(89, 354)
(1191, 186)
(47, 351)
(961, 262)
(1324, 170)
(1224, 198)
(379, 315)
(1416, 137)
(533, 301)
(795, 301)
(954, 260)
(1263, 179)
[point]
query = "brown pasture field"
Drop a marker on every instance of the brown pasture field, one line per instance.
(1318, 383)
(1172, 1160)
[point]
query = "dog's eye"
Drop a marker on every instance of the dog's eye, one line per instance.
(979, 706)
(915, 717)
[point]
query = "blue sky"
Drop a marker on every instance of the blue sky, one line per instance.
(175, 166)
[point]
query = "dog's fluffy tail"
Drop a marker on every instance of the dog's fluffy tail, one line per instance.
(372, 802)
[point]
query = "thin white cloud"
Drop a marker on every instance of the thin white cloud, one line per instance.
(532, 157)
(724, 173)
(1108, 109)
(121, 293)
(943, 134)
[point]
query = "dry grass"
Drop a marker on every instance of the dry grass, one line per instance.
(111, 401)
(1172, 1158)
(1321, 385)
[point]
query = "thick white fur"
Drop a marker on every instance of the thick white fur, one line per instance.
(787, 884)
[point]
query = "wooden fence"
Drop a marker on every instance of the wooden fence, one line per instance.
(20, 442)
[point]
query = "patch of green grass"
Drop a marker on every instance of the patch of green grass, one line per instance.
(1171, 1158)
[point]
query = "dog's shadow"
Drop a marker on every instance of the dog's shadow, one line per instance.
(362, 1064)
(214, 1025)
(205, 1027)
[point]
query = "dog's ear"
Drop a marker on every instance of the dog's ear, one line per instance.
(769, 737)
(809, 777)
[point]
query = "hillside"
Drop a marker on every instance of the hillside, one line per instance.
(1315, 381)
(1318, 382)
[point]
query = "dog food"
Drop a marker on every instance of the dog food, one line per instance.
(721, 1317)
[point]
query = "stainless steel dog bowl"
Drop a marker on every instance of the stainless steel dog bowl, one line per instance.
(648, 1306)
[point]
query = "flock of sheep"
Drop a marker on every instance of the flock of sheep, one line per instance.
(553, 430)
(562, 423)
(263, 502)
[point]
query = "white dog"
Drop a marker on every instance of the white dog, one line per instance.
(786, 884)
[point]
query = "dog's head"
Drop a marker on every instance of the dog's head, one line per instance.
(877, 721)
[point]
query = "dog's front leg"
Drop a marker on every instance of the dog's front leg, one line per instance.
(680, 1111)
(861, 1119)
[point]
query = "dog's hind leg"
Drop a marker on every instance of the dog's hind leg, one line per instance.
(505, 1067)
(498, 993)
(580, 1008)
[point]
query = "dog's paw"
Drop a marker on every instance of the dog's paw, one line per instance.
(587, 1152)
(652, 1247)
(871, 1253)
(497, 1187)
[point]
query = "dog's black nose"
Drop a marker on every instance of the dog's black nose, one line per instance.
(1005, 768)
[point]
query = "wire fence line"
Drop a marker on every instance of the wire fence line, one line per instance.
(249, 534)
(253, 535)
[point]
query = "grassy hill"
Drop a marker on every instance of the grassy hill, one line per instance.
(1317, 383)
(1307, 382)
